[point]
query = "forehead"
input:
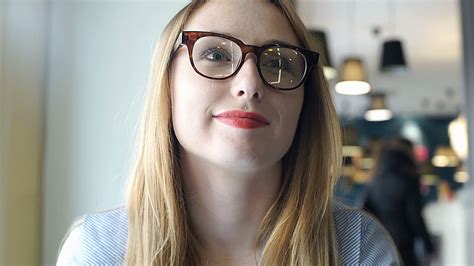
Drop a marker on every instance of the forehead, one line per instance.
(252, 21)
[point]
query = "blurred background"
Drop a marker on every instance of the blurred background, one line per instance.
(73, 74)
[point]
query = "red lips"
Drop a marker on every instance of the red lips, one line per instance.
(241, 119)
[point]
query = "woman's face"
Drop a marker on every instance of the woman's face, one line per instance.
(197, 101)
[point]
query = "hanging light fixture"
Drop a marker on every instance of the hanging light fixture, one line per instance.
(329, 71)
(457, 131)
(428, 176)
(393, 57)
(378, 110)
(461, 175)
(353, 80)
(351, 147)
(445, 157)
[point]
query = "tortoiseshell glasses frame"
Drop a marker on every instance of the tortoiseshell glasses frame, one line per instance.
(280, 66)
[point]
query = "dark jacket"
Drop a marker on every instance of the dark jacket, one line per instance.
(394, 197)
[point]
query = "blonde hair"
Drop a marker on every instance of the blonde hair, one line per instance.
(298, 229)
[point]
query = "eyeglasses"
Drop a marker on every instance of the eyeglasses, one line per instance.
(218, 56)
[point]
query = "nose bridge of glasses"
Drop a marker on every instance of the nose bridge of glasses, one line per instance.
(248, 50)
(252, 61)
(251, 49)
(251, 67)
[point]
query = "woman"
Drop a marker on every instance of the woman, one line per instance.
(239, 153)
(394, 197)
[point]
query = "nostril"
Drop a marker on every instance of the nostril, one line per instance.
(256, 95)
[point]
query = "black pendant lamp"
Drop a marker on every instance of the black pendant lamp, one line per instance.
(330, 71)
(393, 58)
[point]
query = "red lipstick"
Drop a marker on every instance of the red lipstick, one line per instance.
(241, 119)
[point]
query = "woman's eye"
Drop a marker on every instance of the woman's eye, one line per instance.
(278, 63)
(216, 54)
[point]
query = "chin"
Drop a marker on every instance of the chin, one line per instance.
(244, 163)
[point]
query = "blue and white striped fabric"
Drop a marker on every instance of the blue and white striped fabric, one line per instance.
(101, 239)
(362, 240)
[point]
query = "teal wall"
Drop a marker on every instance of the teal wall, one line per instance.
(432, 132)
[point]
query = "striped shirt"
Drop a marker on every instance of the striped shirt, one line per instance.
(101, 239)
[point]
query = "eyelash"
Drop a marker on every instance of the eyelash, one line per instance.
(212, 50)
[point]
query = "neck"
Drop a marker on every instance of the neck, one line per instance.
(226, 206)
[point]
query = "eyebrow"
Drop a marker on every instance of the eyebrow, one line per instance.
(271, 41)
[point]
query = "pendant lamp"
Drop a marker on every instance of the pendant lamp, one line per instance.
(461, 175)
(458, 137)
(353, 80)
(329, 71)
(445, 157)
(393, 58)
(351, 147)
(378, 110)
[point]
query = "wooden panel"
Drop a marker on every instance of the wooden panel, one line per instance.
(2, 145)
(23, 61)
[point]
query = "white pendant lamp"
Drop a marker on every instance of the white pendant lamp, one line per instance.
(457, 131)
(353, 80)
(445, 157)
(378, 110)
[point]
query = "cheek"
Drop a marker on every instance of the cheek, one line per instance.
(290, 109)
(191, 100)
(183, 98)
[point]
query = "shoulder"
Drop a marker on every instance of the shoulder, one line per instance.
(362, 239)
(96, 238)
(70, 252)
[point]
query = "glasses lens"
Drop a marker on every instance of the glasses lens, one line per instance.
(216, 57)
(281, 67)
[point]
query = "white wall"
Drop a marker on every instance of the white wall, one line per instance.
(99, 54)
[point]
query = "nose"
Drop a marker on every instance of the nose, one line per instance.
(247, 82)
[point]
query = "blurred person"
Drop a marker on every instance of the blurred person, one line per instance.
(406, 145)
(238, 155)
(394, 197)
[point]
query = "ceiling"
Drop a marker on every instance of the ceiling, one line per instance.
(431, 35)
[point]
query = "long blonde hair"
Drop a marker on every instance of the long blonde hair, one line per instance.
(298, 229)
